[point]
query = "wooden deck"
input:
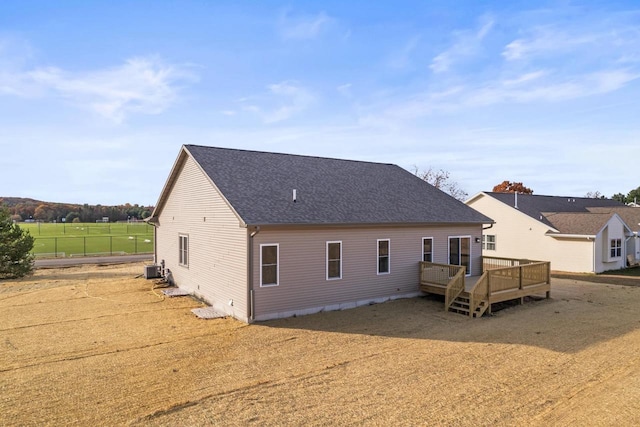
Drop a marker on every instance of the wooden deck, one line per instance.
(503, 279)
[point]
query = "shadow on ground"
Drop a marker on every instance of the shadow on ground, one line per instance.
(577, 316)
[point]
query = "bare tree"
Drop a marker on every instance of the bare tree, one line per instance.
(441, 179)
(594, 195)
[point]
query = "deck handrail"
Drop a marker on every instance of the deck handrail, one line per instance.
(455, 287)
(479, 292)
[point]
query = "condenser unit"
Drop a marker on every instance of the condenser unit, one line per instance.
(152, 271)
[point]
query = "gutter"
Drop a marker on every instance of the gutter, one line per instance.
(571, 236)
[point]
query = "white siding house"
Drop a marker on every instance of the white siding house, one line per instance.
(263, 235)
(575, 234)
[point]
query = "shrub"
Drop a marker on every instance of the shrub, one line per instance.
(16, 259)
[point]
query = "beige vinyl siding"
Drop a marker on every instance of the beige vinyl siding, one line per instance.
(517, 234)
(217, 258)
(302, 265)
(520, 236)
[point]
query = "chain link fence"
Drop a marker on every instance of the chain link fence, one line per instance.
(60, 247)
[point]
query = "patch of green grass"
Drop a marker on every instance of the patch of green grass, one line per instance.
(632, 272)
(86, 229)
(89, 239)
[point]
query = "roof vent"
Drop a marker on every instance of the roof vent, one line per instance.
(295, 195)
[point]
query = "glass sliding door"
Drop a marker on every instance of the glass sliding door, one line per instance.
(460, 252)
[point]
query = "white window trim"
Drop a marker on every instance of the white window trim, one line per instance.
(378, 257)
(470, 251)
(613, 242)
(180, 250)
(277, 245)
(327, 260)
(422, 248)
(485, 242)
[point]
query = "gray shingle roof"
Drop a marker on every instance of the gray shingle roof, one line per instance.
(259, 186)
(631, 216)
(535, 206)
(580, 223)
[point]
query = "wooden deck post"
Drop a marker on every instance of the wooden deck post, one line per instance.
(520, 277)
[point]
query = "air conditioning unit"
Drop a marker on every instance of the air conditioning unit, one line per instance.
(152, 271)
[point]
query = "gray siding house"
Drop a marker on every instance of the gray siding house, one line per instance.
(263, 235)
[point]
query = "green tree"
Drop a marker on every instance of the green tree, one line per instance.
(634, 196)
(620, 197)
(71, 216)
(16, 259)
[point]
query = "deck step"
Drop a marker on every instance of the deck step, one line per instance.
(462, 305)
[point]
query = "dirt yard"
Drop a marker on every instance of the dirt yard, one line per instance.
(93, 345)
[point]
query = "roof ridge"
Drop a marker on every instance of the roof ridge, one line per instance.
(290, 154)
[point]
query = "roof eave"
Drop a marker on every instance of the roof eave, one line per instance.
(571, 236)
(365, 224)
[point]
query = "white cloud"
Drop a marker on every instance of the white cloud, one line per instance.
(144, 85)
(283, 101)
(467, 44)
(345, 90)
(401, 59)
(545, 40)
(294, 99)
(525, 78)
(535, 87)
(303, 27)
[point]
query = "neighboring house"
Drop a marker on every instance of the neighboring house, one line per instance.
(575, 234)
(263, 235)
(631, 217)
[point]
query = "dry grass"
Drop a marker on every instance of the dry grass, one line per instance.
(93, 345)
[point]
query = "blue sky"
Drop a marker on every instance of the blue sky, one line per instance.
(96, 98)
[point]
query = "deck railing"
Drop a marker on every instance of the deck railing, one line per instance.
(455, 287)
(479, 293)
(511, 278)
(491, 262)
(440, 274)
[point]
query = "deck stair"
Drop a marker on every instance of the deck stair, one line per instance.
(461, 305)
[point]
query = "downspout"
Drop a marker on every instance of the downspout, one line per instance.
(593, 256)
(251, 314)
(486, 228)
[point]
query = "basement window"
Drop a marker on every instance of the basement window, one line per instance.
(615, 248)
(183, 250)
(269, 274)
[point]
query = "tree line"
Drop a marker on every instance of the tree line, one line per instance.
(24, 209)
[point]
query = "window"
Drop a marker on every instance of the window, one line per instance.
(383, 256)
(616, 248)
(183, 250)
(269, 265)
(489, 242)
(427, 249)
(334, 260)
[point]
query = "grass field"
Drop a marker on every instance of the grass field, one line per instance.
(79, 239)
